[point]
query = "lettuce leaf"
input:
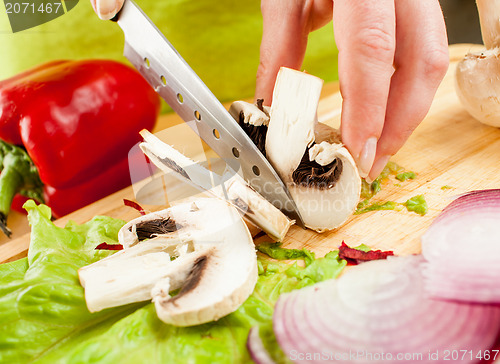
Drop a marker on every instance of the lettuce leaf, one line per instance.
(44, 319)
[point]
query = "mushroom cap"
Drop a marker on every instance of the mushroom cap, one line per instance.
(477, 84)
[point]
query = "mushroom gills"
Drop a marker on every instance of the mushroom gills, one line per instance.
(310, 173)
(150, 228)
(210, 259)
(253, 119)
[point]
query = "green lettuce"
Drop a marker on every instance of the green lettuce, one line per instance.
(406, 176)
(275, 251)
(417, 204)
(44, 319)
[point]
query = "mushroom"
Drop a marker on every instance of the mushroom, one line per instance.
(202, 248)
(477, 76)
(318, 170)
(231, 186)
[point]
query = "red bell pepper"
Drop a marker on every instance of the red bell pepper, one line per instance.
(76, 122)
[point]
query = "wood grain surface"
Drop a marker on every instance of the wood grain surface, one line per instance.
(448, 148)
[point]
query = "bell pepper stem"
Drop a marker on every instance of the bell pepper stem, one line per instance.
(10, 183)
(18, 173)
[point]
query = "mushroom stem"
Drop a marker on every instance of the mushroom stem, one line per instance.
(292, 119)
(489, 16)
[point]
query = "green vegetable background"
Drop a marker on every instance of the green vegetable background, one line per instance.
(44, 319)
(219, 39)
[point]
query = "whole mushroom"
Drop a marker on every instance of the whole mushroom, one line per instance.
(478, 75)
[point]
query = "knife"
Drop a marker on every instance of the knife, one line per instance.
(166, 71)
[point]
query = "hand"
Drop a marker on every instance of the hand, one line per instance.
(106, 9)
(393, 55)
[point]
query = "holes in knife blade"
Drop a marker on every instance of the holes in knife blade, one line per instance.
(197, 115)
(180, 98)
(163, 80)
(236, 152)
(216, 134)
(146, 62)
(256, 170)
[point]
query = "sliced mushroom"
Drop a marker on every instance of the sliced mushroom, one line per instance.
(231, 186)
(209, 256)
(322, 178)
(477, 80)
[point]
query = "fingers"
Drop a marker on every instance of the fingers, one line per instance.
(286, 25)
(365, 34)
(284, 40)
(106, 9)
(421, 61)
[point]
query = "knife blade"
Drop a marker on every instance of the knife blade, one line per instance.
(173, 79)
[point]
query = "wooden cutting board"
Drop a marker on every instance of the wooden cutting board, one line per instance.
(449, 148)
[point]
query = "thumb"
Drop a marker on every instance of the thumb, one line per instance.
(106, 9)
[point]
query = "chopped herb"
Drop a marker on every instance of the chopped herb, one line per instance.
(376, 186)
(392, 168)
(406, 176)
(389, 205)
(446, 187)
(368, 190)
(275, 251)
(417, 204)
(362, 204)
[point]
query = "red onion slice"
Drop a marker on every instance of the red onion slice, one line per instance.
(256, 348)
(462, 249)
(379, 312)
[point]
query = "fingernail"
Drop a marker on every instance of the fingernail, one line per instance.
(106, 9)
(366, 157)
(378, 167)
